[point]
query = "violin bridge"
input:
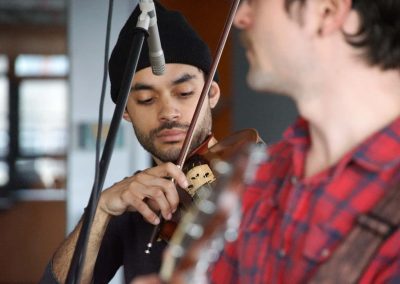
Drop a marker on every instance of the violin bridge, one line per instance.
(199, 176)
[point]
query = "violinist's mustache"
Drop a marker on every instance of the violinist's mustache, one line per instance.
(169, 125)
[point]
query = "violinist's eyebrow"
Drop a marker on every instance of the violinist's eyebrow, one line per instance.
(148, 87)
(184, 78)
(141, 87)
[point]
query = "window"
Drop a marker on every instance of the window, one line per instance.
(43, 117)
(40, 65)
(33, 122)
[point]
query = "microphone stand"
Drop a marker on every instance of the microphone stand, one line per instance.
(141, 32)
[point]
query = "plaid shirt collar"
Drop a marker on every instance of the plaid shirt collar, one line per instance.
(374, 154)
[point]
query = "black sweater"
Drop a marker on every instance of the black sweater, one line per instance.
(124, 244)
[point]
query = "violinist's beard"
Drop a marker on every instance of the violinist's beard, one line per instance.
(172, 154)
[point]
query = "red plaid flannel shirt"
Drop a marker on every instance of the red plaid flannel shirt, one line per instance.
(292, 224)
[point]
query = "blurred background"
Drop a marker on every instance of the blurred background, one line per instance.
(51, 62)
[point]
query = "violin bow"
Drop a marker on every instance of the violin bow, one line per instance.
(193, 124)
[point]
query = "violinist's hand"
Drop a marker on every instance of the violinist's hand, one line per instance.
(146, 192)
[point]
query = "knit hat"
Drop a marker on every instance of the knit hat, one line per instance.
(180, 43)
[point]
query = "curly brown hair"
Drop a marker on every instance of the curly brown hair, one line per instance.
(379, 34)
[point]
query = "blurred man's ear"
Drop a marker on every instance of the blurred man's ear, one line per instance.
(328, 15)
(214, 94)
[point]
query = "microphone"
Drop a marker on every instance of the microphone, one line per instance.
(156, 54)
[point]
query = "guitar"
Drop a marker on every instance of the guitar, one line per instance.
(212, 220)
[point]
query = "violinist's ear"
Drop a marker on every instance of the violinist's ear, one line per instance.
(126, 116)
(214, 94)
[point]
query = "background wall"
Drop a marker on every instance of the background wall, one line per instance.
(86, 37)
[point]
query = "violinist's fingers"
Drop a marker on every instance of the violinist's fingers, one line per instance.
(158, 189)
(150, 184)
(151, 177)
(173, 199)
(139, 204)
(157, 195)
(139, 194)
(152, 204)
(172, 171)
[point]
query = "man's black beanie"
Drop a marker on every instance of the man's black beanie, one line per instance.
(180, 43)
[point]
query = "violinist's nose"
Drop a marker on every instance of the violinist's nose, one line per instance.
(169, 111)
(242, 18)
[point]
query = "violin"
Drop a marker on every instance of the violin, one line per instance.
(201, 175)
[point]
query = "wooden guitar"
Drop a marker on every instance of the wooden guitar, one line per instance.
(212, 220)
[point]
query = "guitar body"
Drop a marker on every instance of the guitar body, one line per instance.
(212, 220)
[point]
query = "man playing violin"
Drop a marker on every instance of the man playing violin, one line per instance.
(160, 109)
(339, 60)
